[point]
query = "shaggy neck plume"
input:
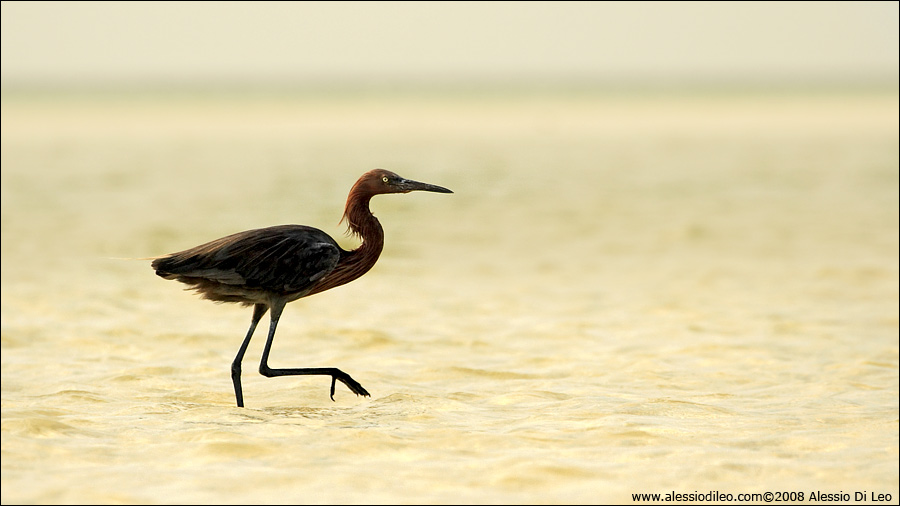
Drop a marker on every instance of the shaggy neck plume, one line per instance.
(363, 224)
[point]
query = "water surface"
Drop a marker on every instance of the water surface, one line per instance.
(624, 294)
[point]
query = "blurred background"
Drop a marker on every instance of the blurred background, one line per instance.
(401, 44)
(670, 262)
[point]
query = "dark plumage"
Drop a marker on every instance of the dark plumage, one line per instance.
(269, 267)
(247, 267)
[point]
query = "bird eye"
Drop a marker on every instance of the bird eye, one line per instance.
(384, 178)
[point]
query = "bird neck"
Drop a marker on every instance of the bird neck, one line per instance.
(363, 224)
(355, 263)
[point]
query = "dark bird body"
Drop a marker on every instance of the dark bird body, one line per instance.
(268, 267)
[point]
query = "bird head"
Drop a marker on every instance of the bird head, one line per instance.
(378, 181)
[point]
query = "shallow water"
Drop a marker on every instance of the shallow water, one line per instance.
(625, 294)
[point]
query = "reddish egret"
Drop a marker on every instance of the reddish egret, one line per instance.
(268, 267)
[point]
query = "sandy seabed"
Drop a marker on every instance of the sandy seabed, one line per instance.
(626, 293)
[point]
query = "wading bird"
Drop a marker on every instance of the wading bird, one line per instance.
(268, 267)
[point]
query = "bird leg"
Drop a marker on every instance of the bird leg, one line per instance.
(336, 374)
(258, 311)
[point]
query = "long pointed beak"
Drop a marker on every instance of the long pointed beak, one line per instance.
(408, 185)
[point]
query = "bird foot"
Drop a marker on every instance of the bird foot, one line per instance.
(351, 383)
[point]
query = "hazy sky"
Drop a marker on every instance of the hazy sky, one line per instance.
(136, 42)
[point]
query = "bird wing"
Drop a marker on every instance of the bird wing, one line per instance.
(287, 258)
